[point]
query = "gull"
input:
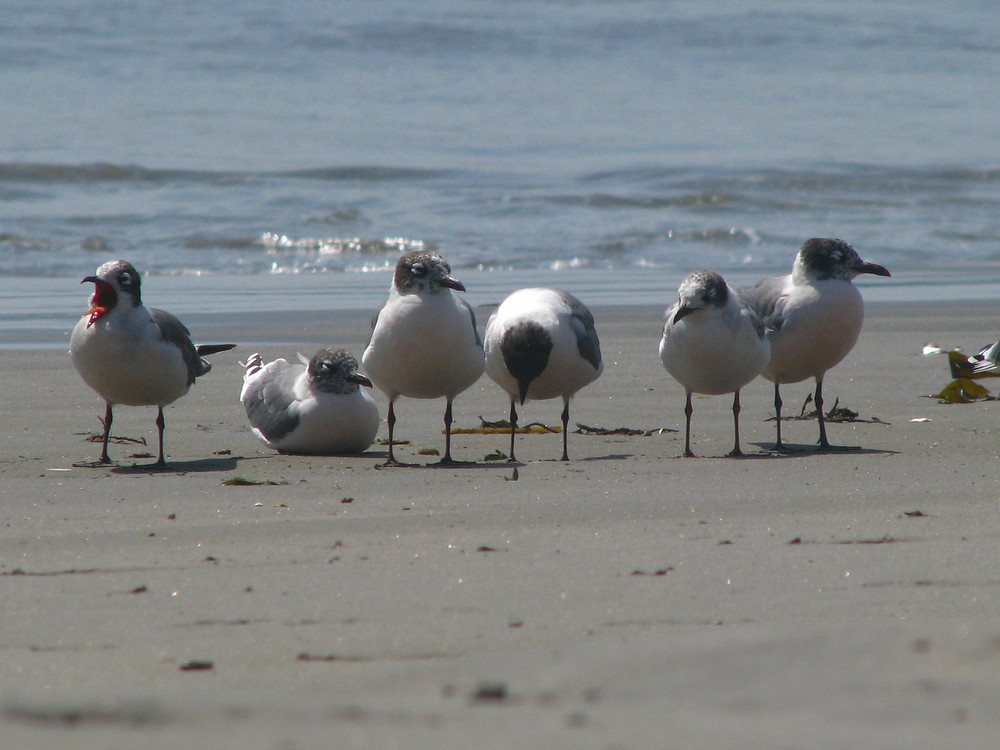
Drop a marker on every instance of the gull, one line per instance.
(132, 354)
(314, 407)
(985, 364)
(712, 343)
(424, 342)
(813, 318)
(540, 344)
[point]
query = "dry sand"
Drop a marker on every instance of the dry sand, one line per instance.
(627, 599)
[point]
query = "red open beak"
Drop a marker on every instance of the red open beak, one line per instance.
(103, 300)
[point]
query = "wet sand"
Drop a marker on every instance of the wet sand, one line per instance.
(626, 599)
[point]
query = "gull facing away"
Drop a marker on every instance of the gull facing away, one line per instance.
(315, 407)
(424, 343)
(985, 364)
(712, 343)
(132, 354)
(813, 318)
(540, 344)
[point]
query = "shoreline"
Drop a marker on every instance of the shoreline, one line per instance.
(38, 313)
(612, 601)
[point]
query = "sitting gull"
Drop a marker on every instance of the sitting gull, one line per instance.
(315, 407)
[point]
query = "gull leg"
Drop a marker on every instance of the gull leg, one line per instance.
(736, 425)
(688, 411)
(824, 444)
(391, 421)
(779, 446)
(108, 418)
(513, 427)
(447, 433)
(448, 460)
(160, 425)
(565, 421)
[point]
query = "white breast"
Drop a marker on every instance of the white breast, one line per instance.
(124, 358)
(820, 325)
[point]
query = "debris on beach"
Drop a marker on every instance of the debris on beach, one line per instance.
(94, 437)
(244, 482)
(489, 692)
(582, 429)
(197, 665)
(502, 427)
(964, 389)
(836, 413)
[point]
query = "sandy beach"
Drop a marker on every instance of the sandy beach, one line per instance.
(627, 599)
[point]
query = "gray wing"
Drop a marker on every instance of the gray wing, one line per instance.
(583, 325)
(767, 299)
(176, 333)
(472, 317)
(668, 316)
(270, 398)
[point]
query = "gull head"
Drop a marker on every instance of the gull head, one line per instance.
(424, 271)
(829, 258)
(336, 371)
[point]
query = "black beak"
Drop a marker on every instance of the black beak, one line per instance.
(682, 312)
(359, 379)
(874, 268)
(452, 283)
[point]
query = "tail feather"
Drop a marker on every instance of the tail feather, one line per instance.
(253, 364)
(985, 367)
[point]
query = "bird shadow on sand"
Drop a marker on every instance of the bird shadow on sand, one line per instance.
(218, 463)
(461, 465)
(793, 450)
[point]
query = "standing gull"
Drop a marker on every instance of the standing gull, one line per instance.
(813, 318)
(424, 343)
(712, 343)
(315, 407)
(541, 343)
(132, 354)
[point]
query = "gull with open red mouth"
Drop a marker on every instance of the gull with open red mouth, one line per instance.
(132, 354)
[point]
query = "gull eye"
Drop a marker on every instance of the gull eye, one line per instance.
(125, 279)
(418, 269)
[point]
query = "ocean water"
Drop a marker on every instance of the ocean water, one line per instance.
(602, 145)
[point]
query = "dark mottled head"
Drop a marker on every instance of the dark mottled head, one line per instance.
(424, 271)
(829, 258)
(701, 290)
(336, 371)
(526, 347)
(115, 280)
